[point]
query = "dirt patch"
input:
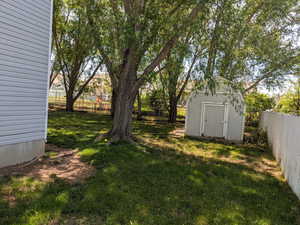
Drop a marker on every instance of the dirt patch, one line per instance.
(178, 132)
(78, 220)
(58, 162)
(261, 165)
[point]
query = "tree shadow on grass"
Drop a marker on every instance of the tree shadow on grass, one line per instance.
(78, 130)
(224, 149)
(137, 184)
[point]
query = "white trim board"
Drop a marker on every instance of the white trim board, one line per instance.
(49, 66)
(243, 123)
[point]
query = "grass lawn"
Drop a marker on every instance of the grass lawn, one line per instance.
(163, 180)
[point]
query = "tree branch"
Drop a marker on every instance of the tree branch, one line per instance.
(87, 81)
(107, 61)
(169, 45)
(268, 74)
(188, 74)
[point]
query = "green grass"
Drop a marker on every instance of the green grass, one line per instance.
(163, 180)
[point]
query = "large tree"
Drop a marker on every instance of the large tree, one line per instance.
(244, 40)
(247, 42)
(180, 69)
(74, 49)
(253, 42)
(129, 34)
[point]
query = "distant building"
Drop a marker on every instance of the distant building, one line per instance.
(101, 86)
(98, 88)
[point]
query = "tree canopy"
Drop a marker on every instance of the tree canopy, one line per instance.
(290, 101)
(75, 51)
(248, 42)
(251, 42)
(134, 37)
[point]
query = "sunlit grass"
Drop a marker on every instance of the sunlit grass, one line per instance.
(161, 180)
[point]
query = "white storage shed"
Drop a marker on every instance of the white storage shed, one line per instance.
(25, 38)
(218, 116)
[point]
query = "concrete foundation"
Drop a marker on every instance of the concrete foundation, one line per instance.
(19, 153)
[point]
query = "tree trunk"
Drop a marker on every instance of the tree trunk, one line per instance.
(113, 102)
(70, 103)
(122, 121)
(139, 112)
(173, 110)
(123, 106)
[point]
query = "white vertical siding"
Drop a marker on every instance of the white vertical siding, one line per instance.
(25, 28)
(235, 123)
(283, 137)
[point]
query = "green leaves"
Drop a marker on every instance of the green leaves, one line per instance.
(250, 41)
(257, 102)
(290, 101)
(73, 48)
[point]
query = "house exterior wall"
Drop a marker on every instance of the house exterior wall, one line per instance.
(235, 123)
(25, 33)
(283, 136)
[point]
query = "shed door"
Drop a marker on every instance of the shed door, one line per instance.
(214, 120)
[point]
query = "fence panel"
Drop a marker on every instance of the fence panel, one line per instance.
(57, 100)
(284, 138)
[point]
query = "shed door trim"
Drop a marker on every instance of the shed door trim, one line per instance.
(226, 115)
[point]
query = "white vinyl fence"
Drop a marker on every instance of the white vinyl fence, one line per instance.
(284, 139)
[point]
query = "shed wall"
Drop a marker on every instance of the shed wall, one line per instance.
(24, 62)
(235, 127)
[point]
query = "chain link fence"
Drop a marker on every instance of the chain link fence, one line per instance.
(57, 100)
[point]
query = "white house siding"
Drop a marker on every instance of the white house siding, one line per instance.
(25, 27)
(283, 137)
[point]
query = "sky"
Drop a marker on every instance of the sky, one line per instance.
(279, 91)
